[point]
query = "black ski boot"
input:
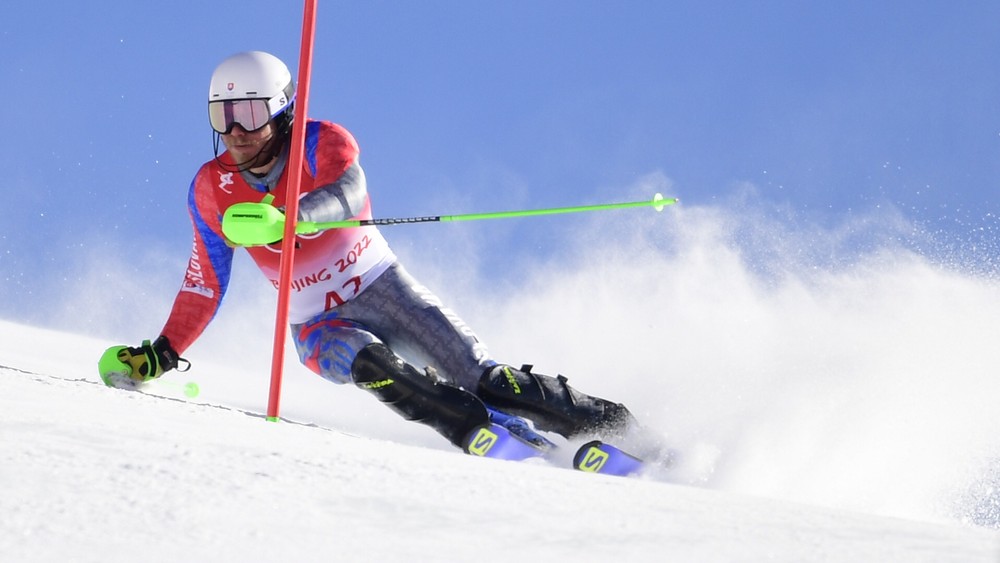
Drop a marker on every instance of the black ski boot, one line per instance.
(551, 404)
(451, 411)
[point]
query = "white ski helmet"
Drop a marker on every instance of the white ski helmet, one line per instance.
(250, 89)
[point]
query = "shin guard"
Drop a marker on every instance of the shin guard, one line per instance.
(451, 411)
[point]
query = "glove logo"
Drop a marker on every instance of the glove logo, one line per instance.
(225, 180)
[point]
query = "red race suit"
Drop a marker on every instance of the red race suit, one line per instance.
(330, 268)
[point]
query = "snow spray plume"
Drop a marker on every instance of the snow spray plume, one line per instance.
(833, 364)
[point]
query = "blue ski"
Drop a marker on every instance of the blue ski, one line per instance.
(493, 440)
(598, 457)
(507, 437)
(511, 438)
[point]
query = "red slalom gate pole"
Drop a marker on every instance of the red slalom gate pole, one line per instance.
(295, 164)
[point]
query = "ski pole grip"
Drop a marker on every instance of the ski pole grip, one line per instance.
(253, 224)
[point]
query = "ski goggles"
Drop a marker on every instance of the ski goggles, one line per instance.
(250, 114)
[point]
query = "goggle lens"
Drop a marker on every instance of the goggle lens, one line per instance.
(251, 115)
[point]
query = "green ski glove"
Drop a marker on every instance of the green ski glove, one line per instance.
(127, 367)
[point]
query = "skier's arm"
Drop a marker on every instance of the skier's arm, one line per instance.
(205, 282)
(207, 276)
(342, 190)
(339, 200)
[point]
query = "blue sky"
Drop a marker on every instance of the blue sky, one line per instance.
(827, 109)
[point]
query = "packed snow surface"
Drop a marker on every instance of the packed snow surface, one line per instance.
(90, 473)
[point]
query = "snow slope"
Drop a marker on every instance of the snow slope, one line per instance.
(89, 473)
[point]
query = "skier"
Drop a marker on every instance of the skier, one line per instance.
(354, 310)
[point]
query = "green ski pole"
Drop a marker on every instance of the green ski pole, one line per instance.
(250, 224)
(658, 202)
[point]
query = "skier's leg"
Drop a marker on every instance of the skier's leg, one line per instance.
(551, 403)
(454, 413)
(417, 326)
(344, 351)
(328, 343)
